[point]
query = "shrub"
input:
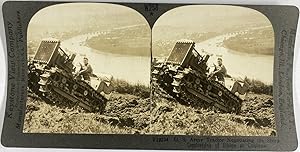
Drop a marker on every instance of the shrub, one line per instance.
(122, 86)
(259, 87)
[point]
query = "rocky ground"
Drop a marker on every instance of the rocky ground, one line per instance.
(129, 114)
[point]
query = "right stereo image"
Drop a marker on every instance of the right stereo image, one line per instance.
(212, 72)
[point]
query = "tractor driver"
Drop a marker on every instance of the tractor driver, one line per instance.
(219, 72)
(85, 70)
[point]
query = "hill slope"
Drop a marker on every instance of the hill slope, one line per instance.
(129, 114)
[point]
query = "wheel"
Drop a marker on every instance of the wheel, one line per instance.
(220, 93)
(63, 80)
(55, 83)
(209, 87)
(197, 81)
(75, 86)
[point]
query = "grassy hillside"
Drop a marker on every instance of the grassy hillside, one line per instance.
(173, 118)
(128, 114)
(132, 40)
(259, 41)
(131, 111)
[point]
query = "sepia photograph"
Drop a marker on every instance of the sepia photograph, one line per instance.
(100, 69)
(212, 72)
(153, 76)
(88, 70)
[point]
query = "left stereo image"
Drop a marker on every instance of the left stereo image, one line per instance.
(80, 56)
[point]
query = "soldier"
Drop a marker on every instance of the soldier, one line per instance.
(220, 72)
(85, 70)
(241, 86)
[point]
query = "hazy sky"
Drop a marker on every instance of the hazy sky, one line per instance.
(206, 18)
(213, 18)
(76, 16)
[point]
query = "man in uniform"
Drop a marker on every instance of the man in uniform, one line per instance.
(220, 72)
(241, 87)
(86, 70)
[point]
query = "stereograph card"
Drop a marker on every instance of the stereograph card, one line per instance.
(114, 75)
